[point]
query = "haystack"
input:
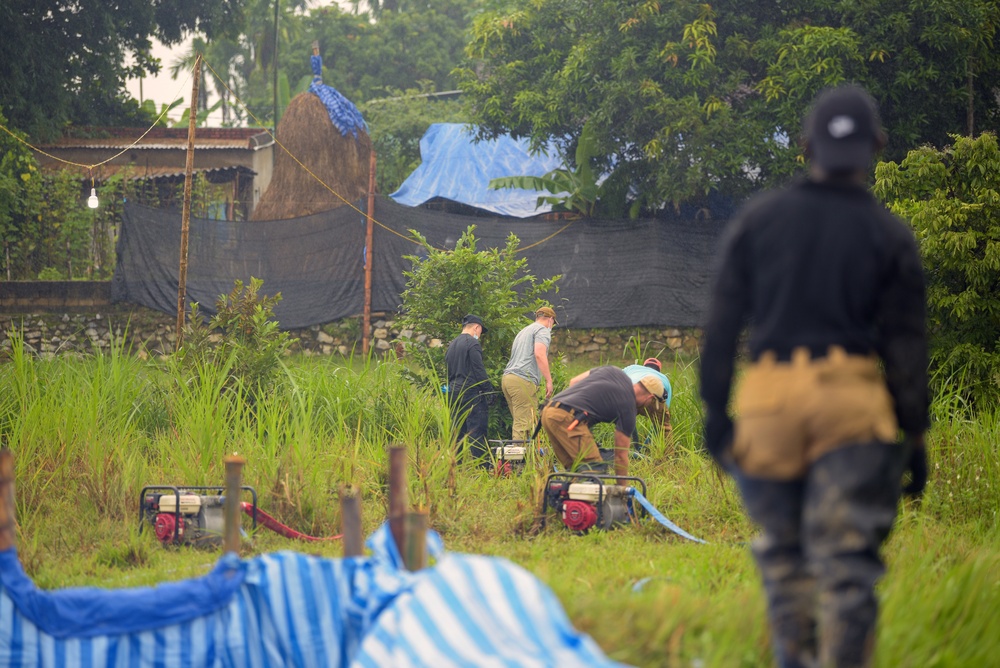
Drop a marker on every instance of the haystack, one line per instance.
(339, 161)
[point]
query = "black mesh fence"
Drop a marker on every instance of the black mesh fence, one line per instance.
(615, 273)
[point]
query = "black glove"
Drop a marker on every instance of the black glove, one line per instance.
(719, 436)
(917, 467)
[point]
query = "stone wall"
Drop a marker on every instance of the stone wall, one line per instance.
(148, 332)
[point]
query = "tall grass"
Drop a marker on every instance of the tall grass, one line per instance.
(89, 432)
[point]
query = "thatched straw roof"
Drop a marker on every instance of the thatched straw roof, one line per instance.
(340, 162)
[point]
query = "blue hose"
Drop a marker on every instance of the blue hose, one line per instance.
(660, 517)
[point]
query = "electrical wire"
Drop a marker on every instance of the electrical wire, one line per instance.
(103, 162)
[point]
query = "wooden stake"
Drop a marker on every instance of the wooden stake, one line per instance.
(397, 496)
(366, 325)
(186, 210)
(350, 521)
(231, 509)
(415, 552)
(8, 523)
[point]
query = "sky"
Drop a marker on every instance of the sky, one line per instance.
(161, 89)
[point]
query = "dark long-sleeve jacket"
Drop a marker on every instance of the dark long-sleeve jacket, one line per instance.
(819, 264)
(466, 372)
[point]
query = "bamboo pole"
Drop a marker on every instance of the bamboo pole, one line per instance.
(415, 551)
(8, 523)
(231, 509)
(274, 83)
(366, 325)
(186, 210)
(397, 496)
(350, 521)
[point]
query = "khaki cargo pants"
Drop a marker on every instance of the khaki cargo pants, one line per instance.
(572, 447)
(522, 399)
(789, 414)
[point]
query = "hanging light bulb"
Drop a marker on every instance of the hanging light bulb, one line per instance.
(92, 200)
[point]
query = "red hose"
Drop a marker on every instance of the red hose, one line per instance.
(279, 528)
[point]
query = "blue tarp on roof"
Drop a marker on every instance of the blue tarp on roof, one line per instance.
(291, 609)
(454, 167)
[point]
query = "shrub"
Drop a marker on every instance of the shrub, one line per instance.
(951, 197)
(242, 336)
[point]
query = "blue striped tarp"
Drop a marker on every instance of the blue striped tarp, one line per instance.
(290, 609)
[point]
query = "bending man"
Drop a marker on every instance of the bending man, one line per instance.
(603, 394)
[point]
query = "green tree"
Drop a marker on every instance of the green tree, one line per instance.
(687, 98)
(67, 62)
(20, 199)
(365, 56)
(495, 284)
(951, 197)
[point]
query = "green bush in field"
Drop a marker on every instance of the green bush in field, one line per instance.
(249, 346)
(951, 197)
(495, 284)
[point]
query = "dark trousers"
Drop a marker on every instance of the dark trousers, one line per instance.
(472, 416)
(818, 552)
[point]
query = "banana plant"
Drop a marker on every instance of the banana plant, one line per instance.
(580, 190)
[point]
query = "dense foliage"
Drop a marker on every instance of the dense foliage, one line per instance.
(687, 98)
(47, 232)
(67, 61)
(951, 197)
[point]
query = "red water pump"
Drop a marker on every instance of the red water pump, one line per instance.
(587, 500)
(194, 515)
(510, 457)
(187, 515)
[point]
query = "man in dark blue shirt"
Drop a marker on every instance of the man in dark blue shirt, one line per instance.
(468, 386)
(832, 286)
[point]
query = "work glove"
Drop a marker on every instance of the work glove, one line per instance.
(719, 437)
(916, 466)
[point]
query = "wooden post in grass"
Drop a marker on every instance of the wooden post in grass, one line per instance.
(397, 496)
(415, 552)
(231, 509)
(350, 521)
(8, 525)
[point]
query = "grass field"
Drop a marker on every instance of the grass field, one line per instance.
(88, 433)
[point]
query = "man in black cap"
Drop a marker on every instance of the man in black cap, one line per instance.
(833, 287)
(468, 386)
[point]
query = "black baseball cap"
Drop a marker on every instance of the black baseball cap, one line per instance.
(475, 320)
(843, 129)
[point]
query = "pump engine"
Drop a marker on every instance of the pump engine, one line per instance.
(510, 456)
(186, 515)
(587, 500)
